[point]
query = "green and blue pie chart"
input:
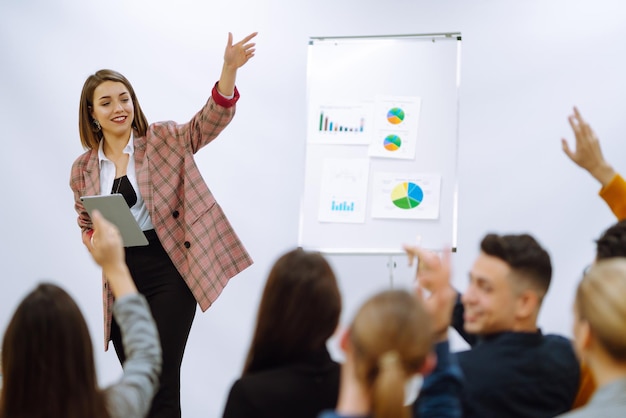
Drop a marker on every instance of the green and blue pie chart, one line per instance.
(407, 195)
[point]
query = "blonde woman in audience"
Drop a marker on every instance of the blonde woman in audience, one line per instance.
(388, 342)
(600, 337)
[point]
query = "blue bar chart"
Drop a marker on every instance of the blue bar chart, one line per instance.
(342, 206)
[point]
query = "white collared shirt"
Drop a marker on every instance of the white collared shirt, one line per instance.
(107, 176)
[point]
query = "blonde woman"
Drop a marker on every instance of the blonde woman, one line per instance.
(600, 337)
(388, 342)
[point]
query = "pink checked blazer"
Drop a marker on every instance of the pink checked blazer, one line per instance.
(190, 224)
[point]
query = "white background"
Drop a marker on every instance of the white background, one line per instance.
(524, 65)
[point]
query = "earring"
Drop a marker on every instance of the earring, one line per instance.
(96, 125)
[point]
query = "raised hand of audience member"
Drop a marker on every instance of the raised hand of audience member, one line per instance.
(587, 153)
(433, 287)
(107, 250)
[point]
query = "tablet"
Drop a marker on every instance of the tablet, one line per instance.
(115, 210)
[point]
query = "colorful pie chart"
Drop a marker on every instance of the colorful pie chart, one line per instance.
(392, 142)
(395, 116)
(407, 195)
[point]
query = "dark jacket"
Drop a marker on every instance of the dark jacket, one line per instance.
(301, 389)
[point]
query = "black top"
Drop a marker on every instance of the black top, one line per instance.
(301, 390)
(123, 186)
(518, 374)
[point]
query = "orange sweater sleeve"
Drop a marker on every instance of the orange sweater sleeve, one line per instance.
(586, 388)
(614, 194)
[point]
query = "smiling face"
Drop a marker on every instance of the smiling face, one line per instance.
(113, 109)
(490, 298)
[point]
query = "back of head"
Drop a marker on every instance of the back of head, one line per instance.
(390, 338)
(612, 243)
(601, 301)
(298, 313)
(529, 262)
(47, 360)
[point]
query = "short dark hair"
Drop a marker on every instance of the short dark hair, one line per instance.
(298, 313)
(524, 255)
(612, 243)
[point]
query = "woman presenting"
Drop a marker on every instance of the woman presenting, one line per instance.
(193, 250)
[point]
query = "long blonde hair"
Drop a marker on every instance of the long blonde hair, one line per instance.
(391, 337)
(601, 301)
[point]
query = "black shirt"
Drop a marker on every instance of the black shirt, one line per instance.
(517, 374)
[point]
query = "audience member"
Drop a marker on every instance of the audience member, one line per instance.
(611, 244)
(388, 342)
(512, 368)
(47, 354)
(588, 155)
(600, 337)
(288, 371)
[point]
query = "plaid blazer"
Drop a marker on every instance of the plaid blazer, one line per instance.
(190, 224)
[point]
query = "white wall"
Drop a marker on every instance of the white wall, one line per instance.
(524, 65)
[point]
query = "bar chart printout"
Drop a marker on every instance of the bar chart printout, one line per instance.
(328, 125)
(340, 124)
(342, 207)
(343, 191)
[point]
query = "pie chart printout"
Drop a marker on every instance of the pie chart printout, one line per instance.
(407, 195)
(395, 115)
(392, 142)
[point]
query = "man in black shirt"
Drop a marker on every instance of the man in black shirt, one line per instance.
(512, 369)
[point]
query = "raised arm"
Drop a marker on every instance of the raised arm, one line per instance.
(235, 56)
(587, 153)
(433, 287)
(107, 250)
(132, 395)
(440, 396)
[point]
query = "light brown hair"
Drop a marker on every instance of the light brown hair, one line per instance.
(391, 337)
(90, 136)
(601, 301)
